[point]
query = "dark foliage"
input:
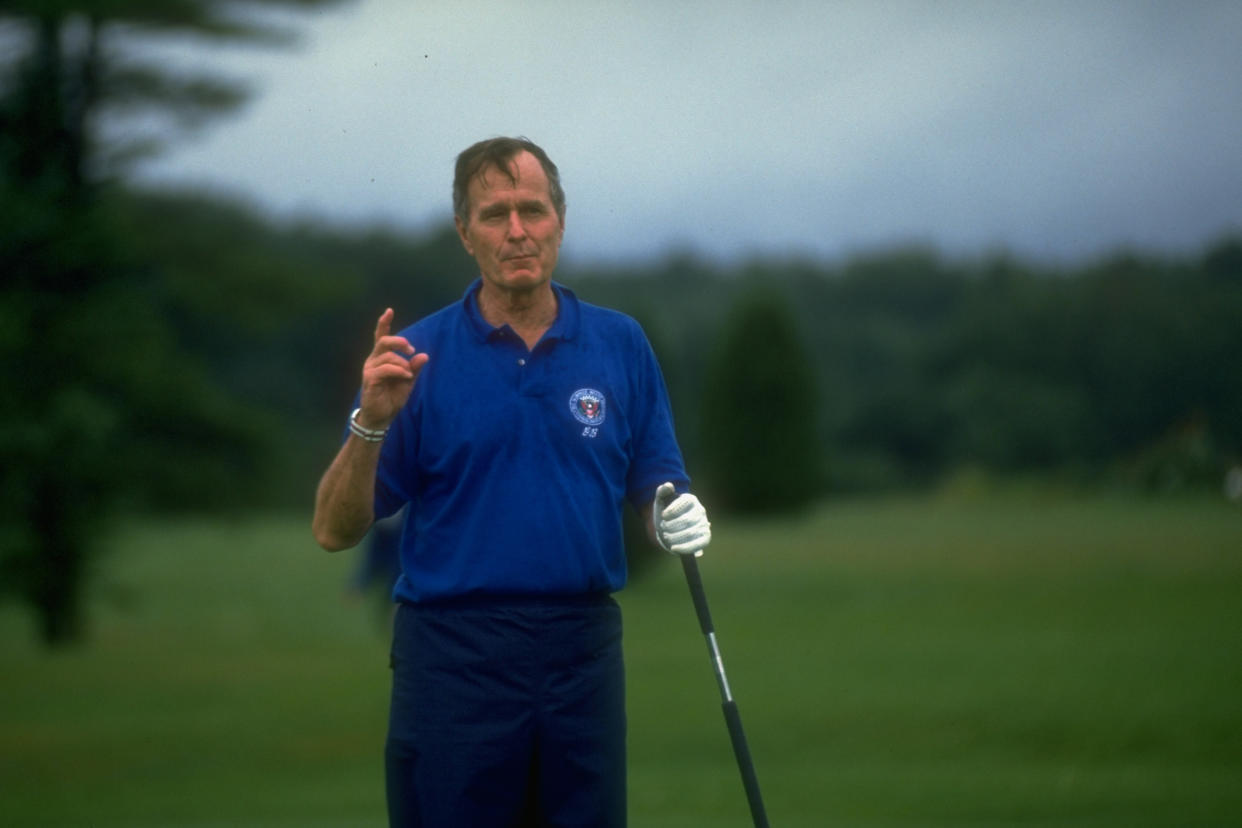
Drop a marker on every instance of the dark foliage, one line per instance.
(107, 402)
(759, 414)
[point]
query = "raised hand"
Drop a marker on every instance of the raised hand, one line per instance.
(388, 375)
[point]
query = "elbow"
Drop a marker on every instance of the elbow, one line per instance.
(332, 541)
(332, 544)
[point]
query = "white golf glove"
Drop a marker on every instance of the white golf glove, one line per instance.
(681, 524)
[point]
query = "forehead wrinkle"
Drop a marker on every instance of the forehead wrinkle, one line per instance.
(482, 192)
(489, 199)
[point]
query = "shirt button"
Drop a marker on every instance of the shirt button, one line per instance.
(521, 362)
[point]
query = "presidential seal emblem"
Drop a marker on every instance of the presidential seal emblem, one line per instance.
(587, 406)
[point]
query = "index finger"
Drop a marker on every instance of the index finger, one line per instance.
(385, 342)
(384, 325)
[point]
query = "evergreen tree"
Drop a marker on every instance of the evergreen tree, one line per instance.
(759, 415)
(102, 401)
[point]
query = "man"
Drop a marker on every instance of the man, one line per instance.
(514, 424)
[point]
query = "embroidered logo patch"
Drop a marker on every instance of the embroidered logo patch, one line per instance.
(587, 406)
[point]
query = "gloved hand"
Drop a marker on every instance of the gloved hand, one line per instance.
(681, 524)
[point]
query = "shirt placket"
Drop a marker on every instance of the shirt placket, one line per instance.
(523, 366)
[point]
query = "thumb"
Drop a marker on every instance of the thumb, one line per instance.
(664, 494)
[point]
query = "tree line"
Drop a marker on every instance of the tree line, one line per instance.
(894, 369)
(1117, 372)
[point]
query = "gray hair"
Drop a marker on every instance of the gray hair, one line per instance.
(498, 153)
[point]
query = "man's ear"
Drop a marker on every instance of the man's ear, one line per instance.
(461, 234)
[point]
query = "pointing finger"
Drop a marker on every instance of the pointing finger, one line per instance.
(384, 325)
(384, 342)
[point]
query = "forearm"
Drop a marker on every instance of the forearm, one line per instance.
(345, 500)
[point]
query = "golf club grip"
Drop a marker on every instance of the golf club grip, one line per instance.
(744, 763)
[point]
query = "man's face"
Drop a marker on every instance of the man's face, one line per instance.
(513, 231)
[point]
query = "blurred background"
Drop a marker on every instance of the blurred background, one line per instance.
(948, 297)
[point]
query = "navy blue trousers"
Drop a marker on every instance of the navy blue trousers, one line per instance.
(507, 713)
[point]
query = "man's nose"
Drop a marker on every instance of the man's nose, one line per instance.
(517, 230)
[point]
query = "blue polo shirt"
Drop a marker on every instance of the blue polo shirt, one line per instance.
(515, 462)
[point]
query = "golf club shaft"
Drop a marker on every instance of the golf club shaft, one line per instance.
(732, 719)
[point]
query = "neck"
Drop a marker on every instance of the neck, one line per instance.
(529, 313)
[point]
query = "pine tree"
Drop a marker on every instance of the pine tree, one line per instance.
(100, 400)
(759, 412)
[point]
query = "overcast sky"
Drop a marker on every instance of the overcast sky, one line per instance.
(1058, 130)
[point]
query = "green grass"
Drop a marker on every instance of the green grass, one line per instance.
(1001, 661)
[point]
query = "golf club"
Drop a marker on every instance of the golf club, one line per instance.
(740, 750)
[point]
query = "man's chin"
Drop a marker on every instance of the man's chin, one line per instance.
(523, 278)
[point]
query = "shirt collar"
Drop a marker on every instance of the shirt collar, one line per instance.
(567, 315)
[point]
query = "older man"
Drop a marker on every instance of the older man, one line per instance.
(515, 424)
